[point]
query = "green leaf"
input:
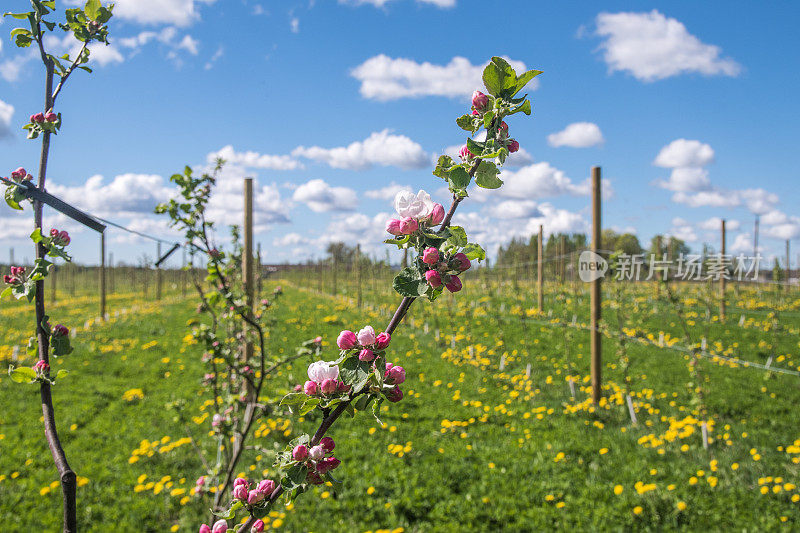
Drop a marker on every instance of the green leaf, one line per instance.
(308, 406)
(409, 283)
(466, 122)
(458, 237)
(92, 9)
(376, 408)
(37, 236)
(229, 513)
(523, 79)
(18, 16)
(355, 372)
(363, 402)
(293, 398)
(525, 107)
(496, 75)
(487, 118)
(458, 178)
(13, 197)
(474, 251)
(475, 147)
(22, 374)
(486, 176)
(443, 166)
(62, 373)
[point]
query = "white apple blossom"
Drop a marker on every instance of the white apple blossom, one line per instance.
(412, 205)
(319, 371)
(366, 337)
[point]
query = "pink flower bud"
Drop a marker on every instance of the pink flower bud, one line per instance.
(393, 226)
(205, 529)
(297, 388)
(54, 232)
(258, 526)
(316, 453)
(464, 153)
(395, 375)
(479, 100)
(41, 366)
(318, 340)
(394, 395)
(430, 255)
(266, 486)
(434, 278)
(216, 420)
(327, 464)
(346, 340)
(328, 386)
(253, 497)
(408, 225)
(342, 387)
(310, 388)
(32, 118)
(240, 481)
(313, 477)
(388, 365)
(382, 340)
(38, 117)
(437, 214)
(220, 526)
(300, 452)
(366, 355)
(366, 337)
(240, 492)
(460, 262)
(51, 117)
(503, 127)
(200, 481)
(60, 331)
(19, 173)
(513, 146)
(454, 285)
(327, 443)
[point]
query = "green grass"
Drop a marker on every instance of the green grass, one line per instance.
(501, 470)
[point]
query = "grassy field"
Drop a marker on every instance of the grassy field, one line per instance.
(470, 448)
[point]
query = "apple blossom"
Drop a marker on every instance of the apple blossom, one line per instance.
(327, 443)
(220, 526)
(410, 205)
(316, 453)
(434, 278)
(328, 386)
(454, 285)
(300, 452)
(479, 100)
(319, 371)
(346, 340)
(382, 340)
(366, 355)
(430, 255)
(393, 226)
(395, 375)
(408, 225)
(437, 215)
(366, 337)
(513, 146)
(310, 388)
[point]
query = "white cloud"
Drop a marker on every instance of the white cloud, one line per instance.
(514, 209)
(380, 148)
(387, 193)
(178, 12)
(189, 44)
(651, 47)
(709, 198)
(685, 153)
(577, 135)
(290, 239)
(214, 58)
(743, 243)
(376, 3)
(444, 4)
(321, 197)
(686, 180)
(384, 78)
(126, 194)
(759, 201)
(10, 69)
(252, 159)
(538, 180)
(683, 230)
(6, 113)
(715, 224)
(294, 25)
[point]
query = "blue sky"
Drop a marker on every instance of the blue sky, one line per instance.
(332, 106)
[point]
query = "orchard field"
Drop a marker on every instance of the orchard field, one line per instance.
(480, 442)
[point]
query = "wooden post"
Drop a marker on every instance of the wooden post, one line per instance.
(259, 273)
(788, 266)
(722, 278)
(184, 273)
(247, 262)
(595, 338)
(562, 248)
(111, 273)
(357, 265)
(53, 284)
(103, 275)
(539, 271)
(158, 272)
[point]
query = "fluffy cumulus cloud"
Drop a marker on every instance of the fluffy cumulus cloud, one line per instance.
(682, 153)
(6, 113)
(651, 46)
(125, 195)
(683, 230)
(385, 78)
(178, 12)
(320, 197)
(380, 148)
(252, 159)
(387, 193)
(577, 135)
(715, 224)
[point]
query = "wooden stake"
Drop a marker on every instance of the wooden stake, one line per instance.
(357, 266)
(158, 272)
(103, 275)
(540, 271)
(722, 279)
(247, 259)
(595, 338)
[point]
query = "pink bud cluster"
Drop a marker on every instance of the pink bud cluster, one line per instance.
(60, 331)
(41, 368)
(318, 459)
(323, 378)
(365, 341)
(445, 271)
(220, 526)
(394, 375)
(243, 492)
(16, 276)
(20, 175)
(39, 118)
(60, 238)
